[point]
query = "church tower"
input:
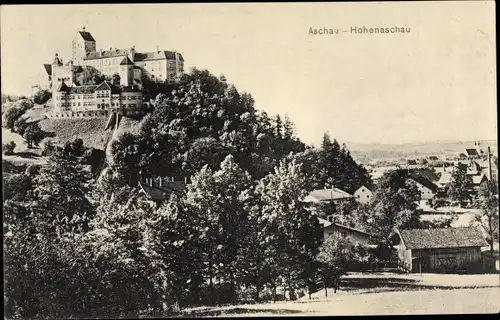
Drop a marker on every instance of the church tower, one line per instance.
(82, 43)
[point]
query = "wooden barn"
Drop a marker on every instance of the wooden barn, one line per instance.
(450, 250)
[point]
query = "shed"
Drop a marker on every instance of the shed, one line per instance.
(448, 250)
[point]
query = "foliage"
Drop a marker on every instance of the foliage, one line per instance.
(33, 134)
(115, 79)
(42, 96)
(458, 189)
(488, 217)
(16, 186)
(8, 148)
(60, 194)
(393, 206)
(202, 116)
(91, 76)
(11, 116)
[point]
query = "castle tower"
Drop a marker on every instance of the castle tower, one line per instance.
(82, 43)
(56, 73)
(126, 72)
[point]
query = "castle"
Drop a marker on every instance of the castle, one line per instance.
(71, 97)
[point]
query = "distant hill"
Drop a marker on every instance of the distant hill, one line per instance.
(368, 152)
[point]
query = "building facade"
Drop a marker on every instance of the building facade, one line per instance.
(95, 100)
(441, 250)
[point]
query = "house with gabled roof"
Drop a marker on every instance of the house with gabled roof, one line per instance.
(335, 195)
(363, 195)
(441, 250)
(427, 188)
(355, 235)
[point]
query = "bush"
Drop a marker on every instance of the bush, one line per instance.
(48, 148)
(11, 116)
(42, 96)
(8, 148)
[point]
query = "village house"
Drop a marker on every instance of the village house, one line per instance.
(334, 195)
(441, 250)
(363, 195)
(427, 188)
(356, 236)
(161, 188)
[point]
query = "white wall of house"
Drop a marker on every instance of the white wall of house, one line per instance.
(363, 195)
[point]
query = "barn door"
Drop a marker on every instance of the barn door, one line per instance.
(447, 263)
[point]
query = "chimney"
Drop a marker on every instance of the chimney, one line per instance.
(160, 181)
(489, 163)
(150, 182)
(185, 180)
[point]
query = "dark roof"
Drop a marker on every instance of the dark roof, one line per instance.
(63, 87)
(126, 61)
(425, 182)
(106, 86)
(106, 54)
(341, 226)
(443, 238)
(471, 152)
(168, 188)
(48, 68)
(156, 55)
(86, 36)
(82, 89)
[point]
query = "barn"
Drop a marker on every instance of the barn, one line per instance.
(450, 250)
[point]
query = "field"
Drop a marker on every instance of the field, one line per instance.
(383, 294)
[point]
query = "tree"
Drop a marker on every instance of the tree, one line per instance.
(393, 206)
(290, 232)
(20, 126)
(8, 148)
(115, 79)
(334, 255)
(217, 200)
(42, 96)
(91, 76)
(488, 204)
(33, 134)
(60, 194)
(460, 183)
(10, 117)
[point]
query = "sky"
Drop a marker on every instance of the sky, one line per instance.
(437, 82)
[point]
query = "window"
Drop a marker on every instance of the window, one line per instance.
(358, 196)
(78, 103)
(330, 218)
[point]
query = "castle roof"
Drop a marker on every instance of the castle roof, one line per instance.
(63, 87)
(126, 62)
(106, 54)
(138, 56)
(82, 89)
(170, 55)
(106, 86)
(48, 68)
(86, 36)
